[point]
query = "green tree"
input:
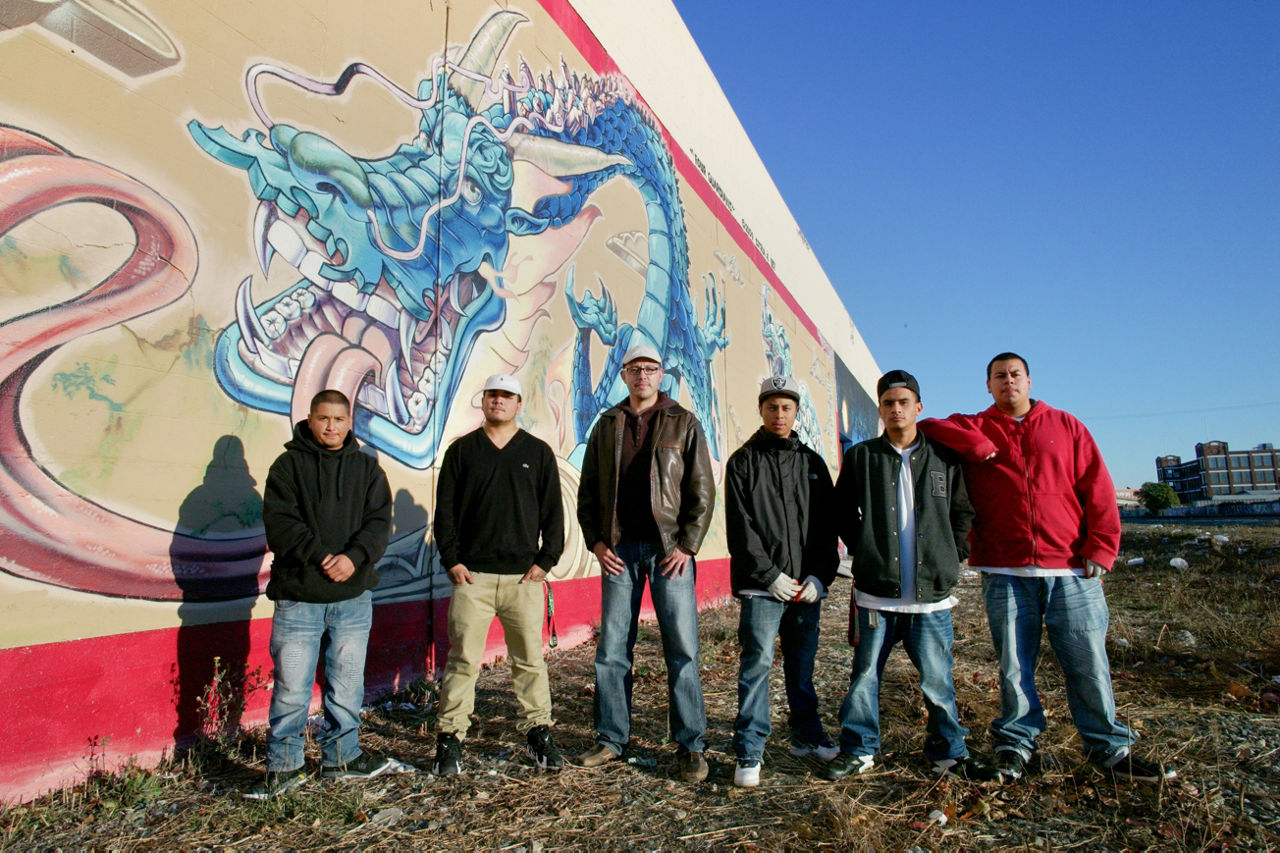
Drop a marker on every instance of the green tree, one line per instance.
(1157, 497)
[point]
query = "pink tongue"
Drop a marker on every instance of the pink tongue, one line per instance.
(331, 362)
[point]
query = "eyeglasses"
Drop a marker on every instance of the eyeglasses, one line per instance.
(647, 370)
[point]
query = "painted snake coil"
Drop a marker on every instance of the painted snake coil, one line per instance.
(47, 532)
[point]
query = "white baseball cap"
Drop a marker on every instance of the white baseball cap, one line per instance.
(775, 385)
(503, 382)
(642, 349)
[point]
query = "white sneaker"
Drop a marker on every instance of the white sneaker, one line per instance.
(824, 750)
(747, 774)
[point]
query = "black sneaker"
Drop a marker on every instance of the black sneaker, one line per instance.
(846, 763)
(1010, 765)
(276, 784)
(1137, 769)
(542, 749)
(968, 768)
(363, 766)
(448, 755)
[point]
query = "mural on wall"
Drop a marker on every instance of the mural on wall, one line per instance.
(404, 260)
(777, 352)
(530, 222)
(49, 532)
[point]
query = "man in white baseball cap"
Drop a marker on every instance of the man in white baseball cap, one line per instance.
(499, 525)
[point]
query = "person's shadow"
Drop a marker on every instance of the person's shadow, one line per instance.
(211, 684)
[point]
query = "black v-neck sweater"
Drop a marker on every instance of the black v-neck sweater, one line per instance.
(499, 509)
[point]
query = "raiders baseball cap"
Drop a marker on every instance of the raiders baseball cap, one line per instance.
(778, 385)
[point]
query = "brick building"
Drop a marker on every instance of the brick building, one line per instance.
(1218, 472)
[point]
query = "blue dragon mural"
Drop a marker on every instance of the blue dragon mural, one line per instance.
(402, 258)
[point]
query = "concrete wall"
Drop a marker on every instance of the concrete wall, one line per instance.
(208, 211)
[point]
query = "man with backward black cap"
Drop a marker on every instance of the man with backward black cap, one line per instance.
(904, 514)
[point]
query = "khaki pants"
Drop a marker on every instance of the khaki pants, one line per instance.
(520, 609)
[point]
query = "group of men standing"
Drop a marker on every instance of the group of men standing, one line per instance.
(1022, 483)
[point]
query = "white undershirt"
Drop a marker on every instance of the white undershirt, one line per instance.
(906, 550)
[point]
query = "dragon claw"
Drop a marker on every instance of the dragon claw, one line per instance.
(598, 314)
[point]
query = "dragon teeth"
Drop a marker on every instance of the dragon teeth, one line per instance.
(251, 330)
(274, 324)
(286, 241)
(263, 218)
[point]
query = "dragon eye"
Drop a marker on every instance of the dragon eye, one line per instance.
(470, 191)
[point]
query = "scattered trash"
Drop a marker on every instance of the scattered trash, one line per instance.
(639, 761)
(1136, 561)
(1179, 563)
(1221, 538)
(939, 817)
(1185, 639)
(1123, 643)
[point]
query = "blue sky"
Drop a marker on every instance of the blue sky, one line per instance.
(1093, 185)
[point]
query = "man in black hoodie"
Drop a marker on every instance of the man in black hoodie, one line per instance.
(499, 526)
(327, 514)
(782, 557)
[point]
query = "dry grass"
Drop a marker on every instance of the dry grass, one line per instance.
(1195, 655)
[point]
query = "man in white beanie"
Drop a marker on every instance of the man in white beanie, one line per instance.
(644, 502)
(499, 525)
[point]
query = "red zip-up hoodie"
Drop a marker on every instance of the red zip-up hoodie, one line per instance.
(1045, 499)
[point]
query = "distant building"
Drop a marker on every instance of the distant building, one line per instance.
(1218, 472)
(1127, 498)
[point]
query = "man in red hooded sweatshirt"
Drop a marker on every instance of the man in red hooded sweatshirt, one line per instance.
(1046, 529)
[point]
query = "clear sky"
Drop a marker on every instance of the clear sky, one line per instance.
(1095, 185)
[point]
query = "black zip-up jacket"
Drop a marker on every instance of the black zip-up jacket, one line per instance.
(779, 513)
(317, 502)
(867, 495)
(682, 488)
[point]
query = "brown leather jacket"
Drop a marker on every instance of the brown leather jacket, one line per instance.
(682, 488)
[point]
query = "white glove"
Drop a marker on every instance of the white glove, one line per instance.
(811, 591)
(784, 587)
(1093, 570)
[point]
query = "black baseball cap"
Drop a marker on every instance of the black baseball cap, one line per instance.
(897, 379)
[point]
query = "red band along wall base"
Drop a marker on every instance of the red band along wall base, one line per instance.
(139, 694)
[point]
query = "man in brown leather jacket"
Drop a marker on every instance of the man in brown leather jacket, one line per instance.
(644, 503)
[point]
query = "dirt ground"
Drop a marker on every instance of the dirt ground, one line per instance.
(1195, 655)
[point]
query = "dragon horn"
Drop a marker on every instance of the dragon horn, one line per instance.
(561, 159)
(482, 55)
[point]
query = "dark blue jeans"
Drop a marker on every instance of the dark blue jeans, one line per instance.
(927, 638)
(761, 622)
(677, 610)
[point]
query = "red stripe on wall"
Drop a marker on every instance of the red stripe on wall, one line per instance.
(76, 706)
(568, 20)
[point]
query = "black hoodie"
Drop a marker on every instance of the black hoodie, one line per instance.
(319, 502)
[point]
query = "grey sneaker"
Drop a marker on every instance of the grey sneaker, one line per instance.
(542, 749)
(692, 767)
(824, 750)
(448, 755)
(276, 784)
(363, 766)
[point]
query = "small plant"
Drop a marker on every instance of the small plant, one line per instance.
(221, 705)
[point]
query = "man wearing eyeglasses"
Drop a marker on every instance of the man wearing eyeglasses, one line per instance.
(645, 503)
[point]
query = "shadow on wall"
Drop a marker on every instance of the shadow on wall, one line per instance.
(211, 684)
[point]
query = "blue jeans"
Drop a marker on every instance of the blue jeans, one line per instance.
(677, 610)
(761, 622)
(1074, 612)
(927, 638)
(300, 630)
